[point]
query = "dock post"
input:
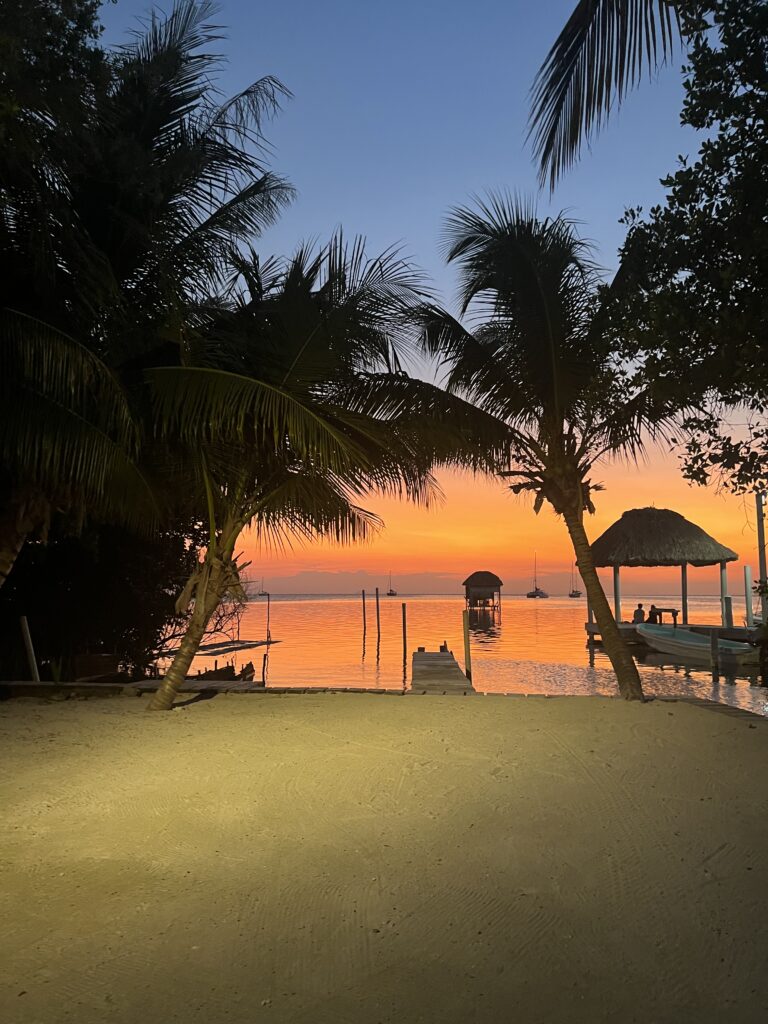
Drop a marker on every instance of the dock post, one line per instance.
(30, 649)
(748, 595)
(405, 639)
(378, 616)
(714, 653)
(365, 627)
(269, 636)
(467, 655)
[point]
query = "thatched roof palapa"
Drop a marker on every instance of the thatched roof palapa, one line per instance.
(658, 536)
(482, 579)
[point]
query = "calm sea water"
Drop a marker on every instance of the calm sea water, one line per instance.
(533, 647)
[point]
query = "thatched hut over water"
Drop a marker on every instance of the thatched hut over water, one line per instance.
(483, 590)
(658, 536)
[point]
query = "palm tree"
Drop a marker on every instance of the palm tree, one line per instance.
(69, 438)
(539, 361)
(276, 412)
(603, 51)
(115, 222)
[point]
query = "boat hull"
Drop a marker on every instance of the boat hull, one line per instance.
(686, 644)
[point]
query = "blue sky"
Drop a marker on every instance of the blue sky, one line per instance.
(404, 109)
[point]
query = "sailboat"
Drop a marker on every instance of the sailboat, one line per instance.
(537, 591)
(391, 592)
(262, 592)
(574, 592)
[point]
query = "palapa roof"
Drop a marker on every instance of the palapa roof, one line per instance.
(657, 536)
(482, 579)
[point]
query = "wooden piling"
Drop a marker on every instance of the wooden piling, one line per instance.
(378, 616)
(365, 625)
(714, 652)
(405, 636)
(467, 656)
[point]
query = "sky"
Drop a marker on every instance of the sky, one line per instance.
(399, 112)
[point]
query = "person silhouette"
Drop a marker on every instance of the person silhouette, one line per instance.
(653, 614)
(638, 615)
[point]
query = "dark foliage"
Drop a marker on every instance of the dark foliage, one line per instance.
(693, 306)
(107, 592)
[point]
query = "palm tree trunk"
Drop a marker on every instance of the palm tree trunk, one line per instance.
(623, 664)
(21, 517)
(11, 543)
(207, 597)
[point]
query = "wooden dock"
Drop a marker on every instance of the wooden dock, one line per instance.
(438, 672)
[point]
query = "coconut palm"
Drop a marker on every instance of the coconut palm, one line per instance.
(69, 438)
(538, 360)
(124, 214)
(271, 411)
(603, 51)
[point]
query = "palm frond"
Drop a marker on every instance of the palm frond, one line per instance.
(602, 52)
(202, 404)
(38, 357)
(528, 282)
(249, 108)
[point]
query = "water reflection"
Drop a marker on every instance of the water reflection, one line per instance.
(485, 624)
(540, 649)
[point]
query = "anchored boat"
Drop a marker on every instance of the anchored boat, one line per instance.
(574, 591)
(686, 644)
(537, 591)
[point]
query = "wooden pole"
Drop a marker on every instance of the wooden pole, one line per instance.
(405, 637)
(748, 595)
(616, 594)
(684, 582)
(760, 509)
(467, 655)
(723, 590)
(714, 653)
(30, 649)
(378, 616)
(365, 627)
(269, 637)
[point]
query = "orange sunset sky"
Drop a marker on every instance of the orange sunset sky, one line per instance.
(481, 525)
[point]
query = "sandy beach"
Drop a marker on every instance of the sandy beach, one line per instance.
(365, 859)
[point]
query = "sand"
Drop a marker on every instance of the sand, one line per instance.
(360, 859)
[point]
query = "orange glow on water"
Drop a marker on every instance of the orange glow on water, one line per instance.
(481, 525)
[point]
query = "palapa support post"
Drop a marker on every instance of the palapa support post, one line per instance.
(684, 588)
(761, 563)
(748, 596)
(616, 594)
(723, 591)
(728, 610)
(467, 655)
(31, 659)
